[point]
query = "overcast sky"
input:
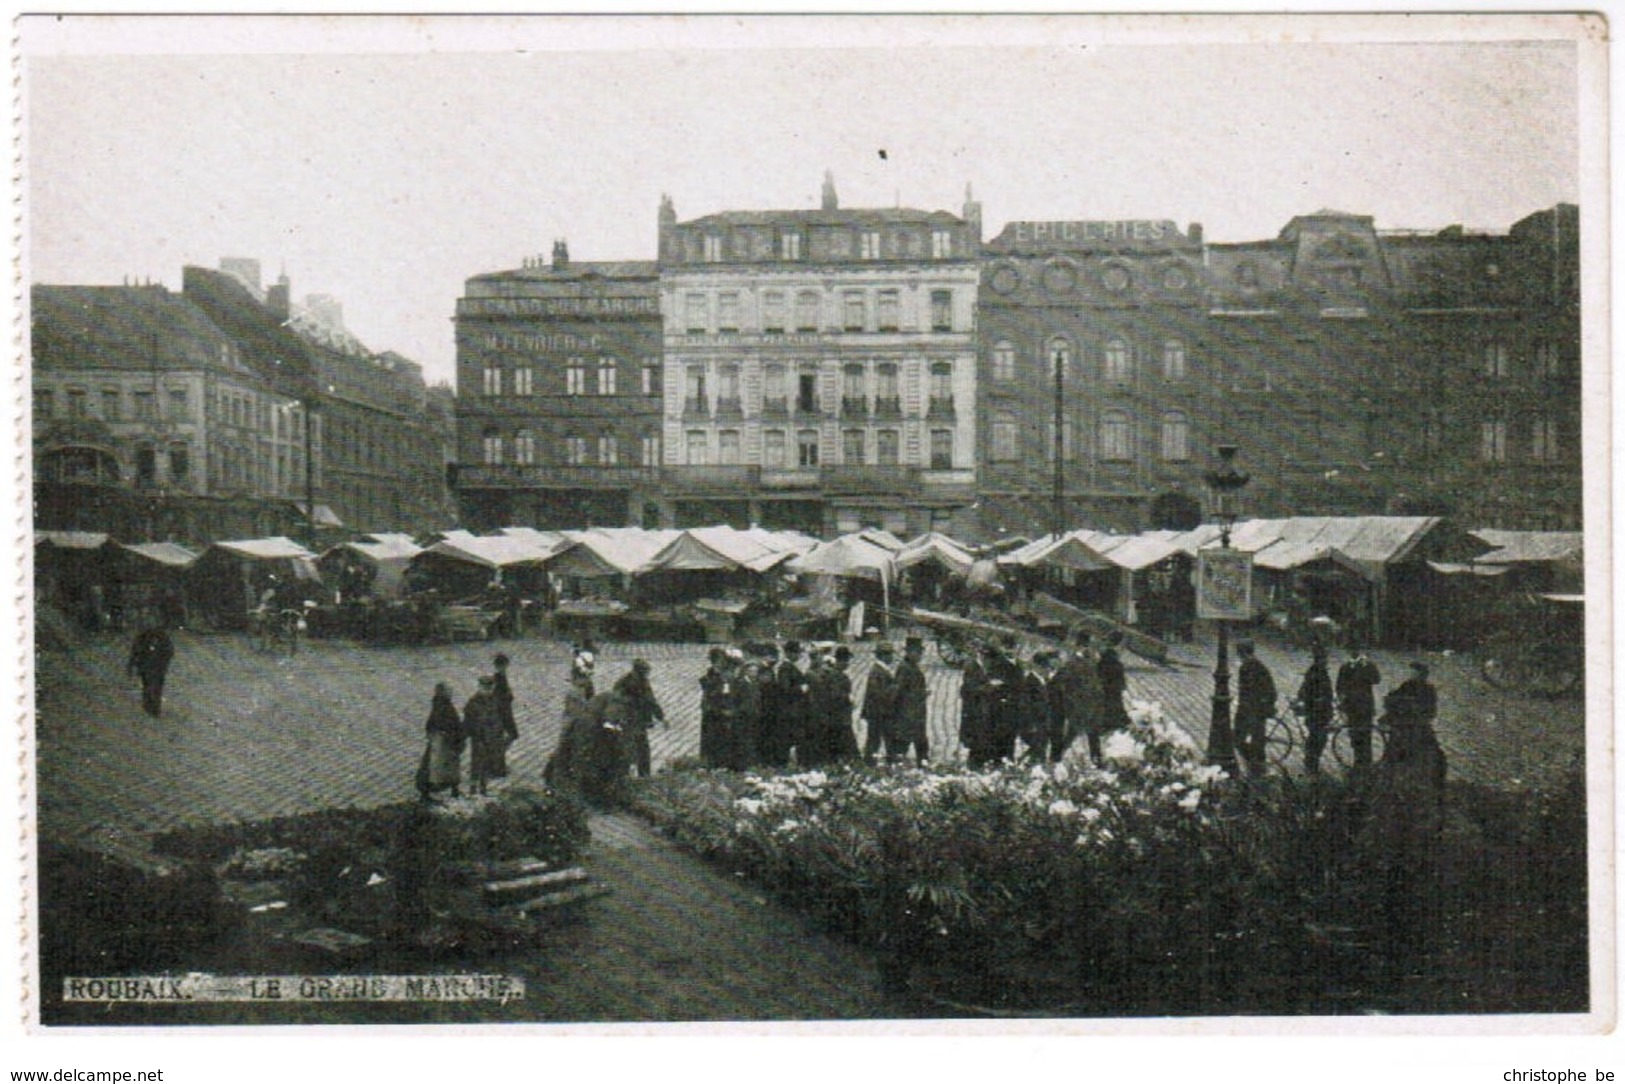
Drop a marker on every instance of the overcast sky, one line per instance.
(387, 179)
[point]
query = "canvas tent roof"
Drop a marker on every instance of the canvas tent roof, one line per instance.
(71, 540)
(393, 547)
(608, 551)
(266, 549)
(932, 546)
(1367, 543)
(163, 553)
(325, 516)
(849, 555)
(548, 540)
(884, 539)
(493, 552)
(1066, 551)
(722, 547)
(1530, 547)
(1455, 568)
(1132, 552)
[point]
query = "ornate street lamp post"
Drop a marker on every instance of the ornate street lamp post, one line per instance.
(1225, 483)
(1057, 512)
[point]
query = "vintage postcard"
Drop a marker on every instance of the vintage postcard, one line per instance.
(913, 525)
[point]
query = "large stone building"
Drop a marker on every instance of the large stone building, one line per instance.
(1357, 370)
(559, 373)
(820, 366)
(160, 415)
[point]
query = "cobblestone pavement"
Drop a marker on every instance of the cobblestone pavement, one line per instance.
(247, 735)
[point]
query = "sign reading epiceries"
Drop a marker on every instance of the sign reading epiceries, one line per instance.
(1134, 229)
(1224, 585)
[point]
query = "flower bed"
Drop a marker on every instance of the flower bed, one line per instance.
(1152, 886)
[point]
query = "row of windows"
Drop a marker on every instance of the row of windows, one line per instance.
(857, 448)
(861, 384)
(604, 374)
(725, 312)
(1544, 445)
(788, 244)
(1116, 359)
(108, 404)
(1117, 438)
(604, 449)
(1496, 359)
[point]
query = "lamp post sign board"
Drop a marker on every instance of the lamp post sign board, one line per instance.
(1224, 585)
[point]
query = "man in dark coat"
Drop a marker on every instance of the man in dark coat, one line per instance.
(1083, 702)
(488, 743)
(601, 768)
(912, 704)
(1038, 705)
(502, 692)
(1316, 703)
(150, 655)
(645, 712)
(1004, 700)
(713, 718)
(880, 703)
(747, 714)
(829, 737)
(785, 690)
(1113, 683)
(1357, 681)
(1255, 706)
(1414, 699)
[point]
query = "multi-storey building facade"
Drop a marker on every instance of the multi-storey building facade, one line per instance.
(183, 416)
(1358, 371)
(560, 378)
(819, 366)
(1118, 308)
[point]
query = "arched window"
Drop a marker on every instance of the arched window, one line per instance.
(606, 376)
(1173, 360)
(1004, 360)
(1117, 363)
(491, 447)
(1059, 353)
(1176, 436)
(1116, 437)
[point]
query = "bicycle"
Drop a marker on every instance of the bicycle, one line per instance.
(1287, 733)
(274, 630)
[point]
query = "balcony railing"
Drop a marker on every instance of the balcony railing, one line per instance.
(550, 476)
(692, 405)
(889, 406)
(941, 406)
(854, 406)
(712, 476)
(848, 478)
(779, 407)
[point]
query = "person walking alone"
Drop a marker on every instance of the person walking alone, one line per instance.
(643, 711)
(912, 704)
(502, 692)
(150, 656)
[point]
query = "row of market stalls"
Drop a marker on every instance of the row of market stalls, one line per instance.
(1390, 580)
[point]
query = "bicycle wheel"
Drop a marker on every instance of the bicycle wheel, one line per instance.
(1280, 739)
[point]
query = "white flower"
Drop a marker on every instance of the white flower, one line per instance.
(1191, 801)
(1061, 807)
(1090, 814)
(1060, 773)
(753, 806)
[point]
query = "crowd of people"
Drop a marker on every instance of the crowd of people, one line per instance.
(774, 706)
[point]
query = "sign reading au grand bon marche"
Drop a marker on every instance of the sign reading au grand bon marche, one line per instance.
(1224, 585)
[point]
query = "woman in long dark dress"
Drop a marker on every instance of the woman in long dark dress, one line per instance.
(442, 764)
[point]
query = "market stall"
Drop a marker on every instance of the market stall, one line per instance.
(228, 581)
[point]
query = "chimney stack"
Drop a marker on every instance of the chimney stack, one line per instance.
(830, 201)
(561, 254)
(277, 298)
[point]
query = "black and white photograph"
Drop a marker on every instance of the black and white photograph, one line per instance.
(1075, 524)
